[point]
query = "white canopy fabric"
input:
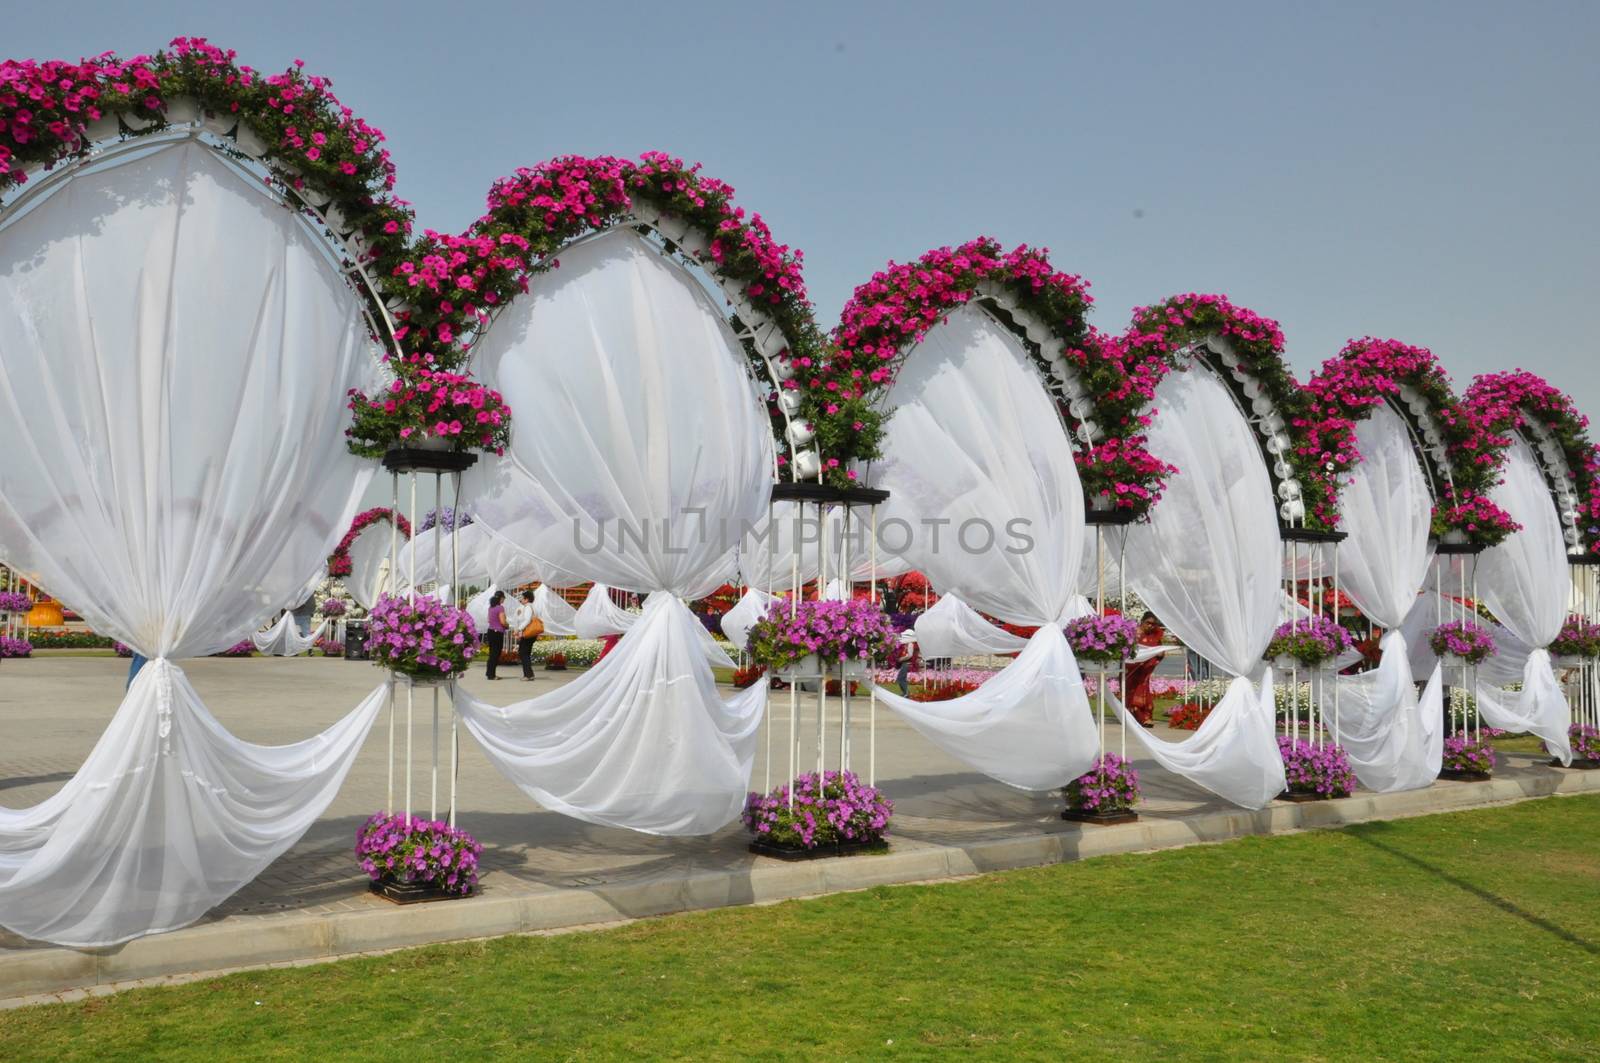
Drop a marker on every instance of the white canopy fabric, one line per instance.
(283, 639)
(559, 617)
(1393, 741)
(1208, 565)
(651, 437)
(975, 440)
(175, 348)
(952, 628)
(1525, 582)
(599, 615)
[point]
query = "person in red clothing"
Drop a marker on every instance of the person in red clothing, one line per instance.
(497, 632)
(1141, 702)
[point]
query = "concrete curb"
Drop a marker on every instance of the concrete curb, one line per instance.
(42, 974)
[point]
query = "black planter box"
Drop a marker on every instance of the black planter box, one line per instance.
(1105, 819)
(1300, 798)
(785, 852)
(412, 892)
(1457, 775)
(1576, 765)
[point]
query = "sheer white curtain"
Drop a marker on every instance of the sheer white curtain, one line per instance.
(1526, 583)
(737, 622)
(369, 564)
(283, 639)
(1394, 742)
(652, 451)
(952, 628)
(975, 441)
(558, 616)
(599, 615)
(1208, 565)
(174, 355)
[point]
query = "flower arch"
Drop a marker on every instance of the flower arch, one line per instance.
(339, 561)
(1307, 451)
(1102, 390)
(1500, 404)
(287, 130)
(446, 292)
(1368, 372)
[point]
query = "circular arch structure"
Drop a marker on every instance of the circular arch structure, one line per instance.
(1519, 402)
(1306, 452)
(1100, 390)
(287, 132)
(1410, 381)
(447, 294)
(339, 560)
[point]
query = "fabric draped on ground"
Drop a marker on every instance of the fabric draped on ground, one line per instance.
(283, 639)
(169, 339)
(1028, 726)
(643, 740)
(1234, 751)
(1209, 564)
(975, 442)
(650, 439)
(1393, 740)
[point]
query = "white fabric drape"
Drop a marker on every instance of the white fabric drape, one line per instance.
(737, 621)
(175, 349)
(1207, 564)
(369, 564)
(599, 615)
(558, 616)
(1394, 742)
(952, 628)
(283, 639)
(1525, 582)
(651, 452)
(976, 441)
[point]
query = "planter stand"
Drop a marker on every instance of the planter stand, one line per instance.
(847, 848)
(1457, 775)
(412, 892)
(1104, 819)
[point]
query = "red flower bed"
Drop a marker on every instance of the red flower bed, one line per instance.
(1187, 716)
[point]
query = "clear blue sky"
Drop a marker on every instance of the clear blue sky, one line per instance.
(1422, 171)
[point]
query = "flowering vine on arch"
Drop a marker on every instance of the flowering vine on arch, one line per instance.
(447, 291)
(1101, 388)
(322, 156)
(1500, 404)
(339, 563)
(1368, 372)
(1308, 451)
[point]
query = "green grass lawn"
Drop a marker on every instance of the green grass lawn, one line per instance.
(1473, 935)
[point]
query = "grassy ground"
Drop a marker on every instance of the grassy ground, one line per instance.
(1468, 935)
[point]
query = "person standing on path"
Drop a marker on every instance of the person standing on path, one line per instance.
(497, 632)
(529, 628)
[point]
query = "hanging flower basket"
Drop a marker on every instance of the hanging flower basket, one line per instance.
(15, 602)
(840, 817)
(1102, 643)
(1578, 642)
(1312, 643)
(332, 608)
(808, 640)
(1585, 747)
(1462, 642)
(422, 640)
(1467, 759)
(415, 859)
(1105, 794)
(1315, 773)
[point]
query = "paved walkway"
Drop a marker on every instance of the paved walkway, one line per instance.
(542, 870)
